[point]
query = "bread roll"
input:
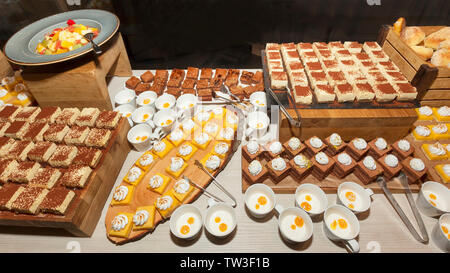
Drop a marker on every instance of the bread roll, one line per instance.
(412, 35)
(445, 44)
(441, 57)
(424, 52)
(434, 39)
(399, 25)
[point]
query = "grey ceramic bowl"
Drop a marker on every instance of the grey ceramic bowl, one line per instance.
(21, 47)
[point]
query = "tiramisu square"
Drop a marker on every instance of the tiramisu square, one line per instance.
(3, 126)
(192, 72)
(5, 144)
(288, 46)
(353, 47)
(8, 194)
(147, 76)
(330, 65)
(9, 112)
(367, 66)
(35, 131)
(322, 165)
(343, 54)
(19, 150)
(378, 56)
(17, 129)
(98, 138)
(325, 54)
(309, 56)
(290, 55)
(336, 77)
(57, 201)
(302, 94)
(87, 156)
(387, 66)
(371, 46)
(45, 178)
(361, 57)
(295, 66)
(132, 82)
(278, 80)
(335, 46)
(385, 92)
(298, 78)
(77, 135)
(29, 200)
(56, 132)
(273, 46)
(395, 77)
(63, 156)
(344, 92)
(278, 168)
(41, 151)
(406, 91)
(324, 93)
(108, 119)
(345, 164)
(48, 114)
(357, 148)
(7, 167)
(28, 113)
(313, 66)
(273, 55)
(303, 47)
(355, 76)
(391, 166)
(347, 64)
(318, 77)
(87, 117)
(76, 176)
(24, 171)
(364, 92)
(319, 46)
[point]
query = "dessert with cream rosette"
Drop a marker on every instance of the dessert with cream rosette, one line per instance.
(442, 113)
(367, 170)
(293, 147)
(422, 133)
(414, 169)
(221, 149)
(435, 151)
(226, 134)
(182, 189)
(176, 137)
(252, 150)
(254, 172)
(146, 161)
(440, 131)
(202, 140)
(162, 148)
(335, 144)
(402, 149)
(211, 162)
(122, 195)
(300, 167)
(391, 166)
(158, 183)
(345, 164)
(444, 172)
(144, 218)
(425, 113)
(121, 225)
(378, 147)
(357, 148)
(273, 149)
(186, 151)
(314, 145)
(278, 169)
(176, 166)
(166, 204)
(134, 175)
(322, 165)
(211, 128)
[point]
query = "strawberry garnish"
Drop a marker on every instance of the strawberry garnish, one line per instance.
(70, 22)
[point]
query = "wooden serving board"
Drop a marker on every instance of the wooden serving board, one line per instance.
(83, 213)
(432, 83)
(142, 196)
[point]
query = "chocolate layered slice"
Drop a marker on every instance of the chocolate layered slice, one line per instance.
(334, 144)
(188, 83)
(379, 147)
(57, 200)
(87, 156)
(174, 82)
(29, 200)
(414, 169)
(293, 147)
(76, 176)
(368, 170)
(24, 171)
(17, 129)
(28, 113)
(162, 74)
(301, 167)
(391, 166)
(345, 164)
(357, 148)
(402, 149)
(9, 112)
(252, 152)
(278, 168)
(246, 77)
(45, 178)
(322, 165)
(314, 145)
(255, 171)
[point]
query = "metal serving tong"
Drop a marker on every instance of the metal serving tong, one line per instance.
(198, 164)
(203, 189)
(403, 179)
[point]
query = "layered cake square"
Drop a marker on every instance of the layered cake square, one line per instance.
(254, 172)
(19, 150)
(9, 112)
(42, 151)
(57, 201)
(402, 149)
(87, 156)
(206, 73)
(63, 156)
(35, 131)
(17, 129)
(378, 147)
(344, 165)
(56, 132)
(76, 135)
(357, 148)
(414, 169)
(45, 178)
(141, 213)
(24, 171)
(28, 114)
(68, 116)
(302, 95)
(192, 72)
(76, 176)
(335, 144)
(368, 170)
(336, 77)
(48, 114)
(8, 194)
(406, 91)
(385, 92)
(278, 168)
(364, 92)
(98, 138)
(391, 166)
(273, 149)
(324, 93)
(7, 167)
(300, 167)
(29, 200)
(314, 145)
(147, 76)
(87, 117)
(322, 165)
(3, 126)
(108, 119)
(293, 147)
(278, 80)
(344, 92)
(330, 65)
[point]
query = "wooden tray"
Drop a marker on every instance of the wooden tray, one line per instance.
(83, 213)
(432, 83)
(144, 197)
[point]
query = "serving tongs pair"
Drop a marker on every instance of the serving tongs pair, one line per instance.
(404, 181)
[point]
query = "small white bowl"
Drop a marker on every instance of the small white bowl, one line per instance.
(187, 103)
(126, 110)
(217, 210)
(147, 98)
(126, 96)
(161, 117)
(259, 189)
(317, 193)
(142, 114)
(362, 202)
(135, 135)
(165, 101)
(180, 217)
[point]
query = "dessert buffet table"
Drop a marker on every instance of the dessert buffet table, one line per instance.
(381, 229)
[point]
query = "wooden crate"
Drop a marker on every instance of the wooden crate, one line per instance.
(80, 82)
(85, 211)
(432, 83)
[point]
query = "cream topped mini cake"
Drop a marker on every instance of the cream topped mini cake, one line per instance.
(335, 144)
(379, 147)
(202, 140)
(278, 169)
(166, 204)
(344, 165)
(186, 151)
(221, 149)
(390, 165)
(211, 162)
(122, 195)
(226, 134)
(182, 189)
(300, 166)
(134, 176)
(322, 165)
(357, 148)
(158, 183)
(203, 117)
(293, 147)
(414, 168)
(435, 151)
(161, 148)
(422, 133)
(211, 128)
(176, 166)
(314, 145)
(144, 218)
(402, 149)
(367, 170)
(251, 151)
(255, 172)
(177, 136)
(442, 113)
(444, 172)
(121, 225)
(145, 161)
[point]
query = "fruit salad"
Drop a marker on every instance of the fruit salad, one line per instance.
(62, 40)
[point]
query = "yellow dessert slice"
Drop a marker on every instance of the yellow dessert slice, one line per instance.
(162, 148)
(121, 225)
(201, 140)
(422, 137)
(146, 161)
(429, 148)
(134, 175)
(144, 218)
(212, 128)
(122, 195)
(182, 150)
(440, 117)
(176, 137)
(440, 131)
(158, 183)
(176, 173)
(226, 134)
(210, 157)
(203, 117)
(424, 117)
(182, 189)
(166, 204)
(189, 126)
(231, 120)
(440, 170)
(219, 114)
(221, 149)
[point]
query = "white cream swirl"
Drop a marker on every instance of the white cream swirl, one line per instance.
(440, 129)
(302, 161)
(381, 143)
(181, 186)
(404, 145)
(252, 147)
(344, 159)
(176, 163)
(141, 217)
(119, 222)
(164, 202)
(359, 143)
(218, 111)
(254, 167)
(369, 163)
(134, 174)
(417, 164)
(437, 149)
(275, 147)
(232, 119)
(176, 134)
(391, 161)
(204, 116)
(322, 158)
(278, 164)
(146, 160)
(213, 162)
(444, 111)
(156, 181)
(422, 131)
(188, 125)
(335, 140)
(202, 138)
(159, 146)
(316, 142)
(211, 127)
(294, 143)
(446, 169)
(426, 110)
(120, 193)
(227, 133)
(221, 148)
(185, 150)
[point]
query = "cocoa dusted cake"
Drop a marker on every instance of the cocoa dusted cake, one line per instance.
(322, 165)
(345, 164)
(335, 144)
(57, 200)
(293, 147)
(367, 170)
(391, 166)
(414, 169)
(278, 169)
